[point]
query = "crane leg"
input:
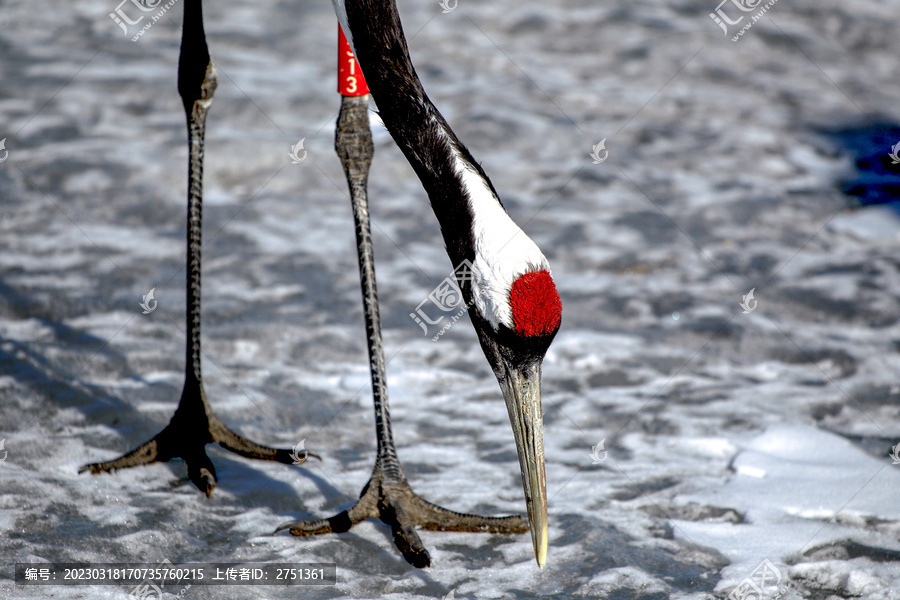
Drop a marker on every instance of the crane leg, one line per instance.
(194, 424)
(387, 495)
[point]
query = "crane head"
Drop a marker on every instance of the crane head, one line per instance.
(515, 341)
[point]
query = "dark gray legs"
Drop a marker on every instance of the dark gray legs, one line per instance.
(194, 424)
(387, 495)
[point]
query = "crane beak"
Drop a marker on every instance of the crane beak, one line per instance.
(522, 392)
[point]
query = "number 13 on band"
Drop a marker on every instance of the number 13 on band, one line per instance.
(350, 78)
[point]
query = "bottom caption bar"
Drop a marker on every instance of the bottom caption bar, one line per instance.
(151, 576)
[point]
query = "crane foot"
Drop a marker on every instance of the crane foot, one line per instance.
(193, 426)
(392, 500)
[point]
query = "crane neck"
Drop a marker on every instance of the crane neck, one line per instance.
(448, 172)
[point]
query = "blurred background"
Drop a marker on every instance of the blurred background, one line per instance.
(700, 439)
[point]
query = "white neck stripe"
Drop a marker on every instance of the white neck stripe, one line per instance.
(503, 252)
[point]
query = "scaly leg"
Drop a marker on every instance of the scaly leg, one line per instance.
(387, 496)
(194, 424)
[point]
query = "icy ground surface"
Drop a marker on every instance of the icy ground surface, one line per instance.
(729, 438)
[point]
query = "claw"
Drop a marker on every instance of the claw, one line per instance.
(202, 472)
(185, 437)
(397, 505)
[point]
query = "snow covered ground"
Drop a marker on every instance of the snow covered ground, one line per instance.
(729, 439)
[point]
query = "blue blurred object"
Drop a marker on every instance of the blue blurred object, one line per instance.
(876, 149)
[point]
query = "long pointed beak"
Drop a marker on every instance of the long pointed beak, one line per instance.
(522, 392)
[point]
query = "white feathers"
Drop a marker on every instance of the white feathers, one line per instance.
(503, 252)
(340, 9)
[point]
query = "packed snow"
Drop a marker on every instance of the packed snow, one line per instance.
(699, 441)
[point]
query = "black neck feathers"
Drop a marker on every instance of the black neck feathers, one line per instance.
(412, 119)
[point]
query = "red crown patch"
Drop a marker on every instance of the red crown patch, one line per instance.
(536, 307)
